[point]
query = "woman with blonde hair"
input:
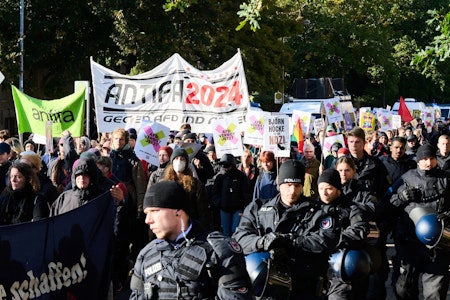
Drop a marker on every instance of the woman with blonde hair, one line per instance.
(16, 148)
(179, 171)
(248, 167)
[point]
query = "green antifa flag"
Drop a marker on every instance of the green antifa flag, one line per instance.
(66, 113)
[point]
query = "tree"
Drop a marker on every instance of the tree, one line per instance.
(60, 37)
(439, 48)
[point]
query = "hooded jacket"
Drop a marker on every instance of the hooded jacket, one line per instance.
(76, 197)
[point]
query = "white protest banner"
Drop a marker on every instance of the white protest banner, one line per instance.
(348, 122)
(254, 127)
(276, 135)
(367, 120)
(319, 124)
(385, 118)
(428, 118)
(396, 121)
(329, 141)
(40, 139)
(333, 110)
(172, 93)
(191, 149)
(151, 137)
(305, 120)
(227, 137)
(131, 123)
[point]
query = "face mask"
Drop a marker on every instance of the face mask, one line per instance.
(179, 165)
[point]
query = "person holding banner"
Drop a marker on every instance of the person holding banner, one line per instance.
(203, 167)
(20, 201)
(84, 188)
(127, 167)
(184, 261)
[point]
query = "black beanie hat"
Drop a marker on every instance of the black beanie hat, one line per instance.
(291, 171)
(179, 152)
(332, 177)
(166, 194)
(190, 135)
(425, 151)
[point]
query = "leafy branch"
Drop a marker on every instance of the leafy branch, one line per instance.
(439, 48)
(249, 11)
(251, 14)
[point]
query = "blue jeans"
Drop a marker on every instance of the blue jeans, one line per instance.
(229, 221)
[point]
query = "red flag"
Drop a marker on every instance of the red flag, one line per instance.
(403, 111)
(298, 135)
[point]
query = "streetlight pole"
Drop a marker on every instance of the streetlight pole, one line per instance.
(21, 37)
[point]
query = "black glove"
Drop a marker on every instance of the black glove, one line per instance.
(410, 194)
(273, 240)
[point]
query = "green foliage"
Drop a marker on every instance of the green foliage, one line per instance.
(181, 5)
(251, 14)
(439, 48)
(369, 43)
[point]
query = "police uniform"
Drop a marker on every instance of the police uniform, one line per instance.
(312, 232)
(433, 191)
(191, 268)
(354, 209)
(196, 265)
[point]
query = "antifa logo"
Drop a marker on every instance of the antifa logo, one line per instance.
(54, 116)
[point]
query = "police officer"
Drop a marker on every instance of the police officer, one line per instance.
(297, 230)
(426, 186)
(184, 262)
(355, 228)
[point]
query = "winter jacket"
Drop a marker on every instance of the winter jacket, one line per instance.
(128, 169)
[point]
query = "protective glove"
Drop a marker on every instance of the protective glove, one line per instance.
(410, 194)
(273, 240)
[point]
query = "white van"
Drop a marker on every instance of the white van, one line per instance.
(312, 106)
(415, 107)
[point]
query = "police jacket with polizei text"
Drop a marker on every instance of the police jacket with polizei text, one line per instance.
(435, 193)
(207, 267)
(315, 230)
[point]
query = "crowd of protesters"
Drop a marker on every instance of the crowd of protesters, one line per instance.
(367, 183)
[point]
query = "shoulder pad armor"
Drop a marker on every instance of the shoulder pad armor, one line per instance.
(223, 246)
